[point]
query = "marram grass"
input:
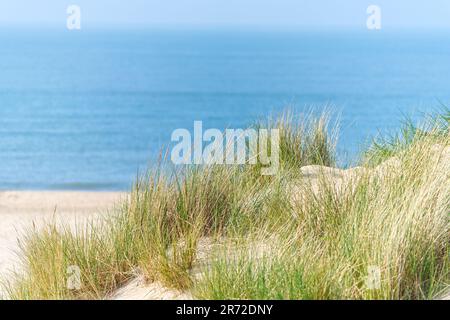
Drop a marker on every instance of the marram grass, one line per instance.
(396, 221)
(278, 237)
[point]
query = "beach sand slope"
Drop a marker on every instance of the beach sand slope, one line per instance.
(19, 210)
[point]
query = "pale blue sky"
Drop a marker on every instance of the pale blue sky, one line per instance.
(234, 13)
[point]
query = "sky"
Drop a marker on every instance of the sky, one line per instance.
(414, 14)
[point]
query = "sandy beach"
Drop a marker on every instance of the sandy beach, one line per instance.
(20, 209)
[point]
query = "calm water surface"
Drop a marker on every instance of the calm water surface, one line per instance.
(88, 109)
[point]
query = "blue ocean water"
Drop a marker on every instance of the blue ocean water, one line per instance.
(88, 109)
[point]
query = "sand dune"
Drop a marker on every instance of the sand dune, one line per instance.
(139, 289)
(20, 209)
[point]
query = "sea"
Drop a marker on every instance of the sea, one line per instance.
(91, 109)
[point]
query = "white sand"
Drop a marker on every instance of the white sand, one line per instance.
(20, 209)
(138, 289)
